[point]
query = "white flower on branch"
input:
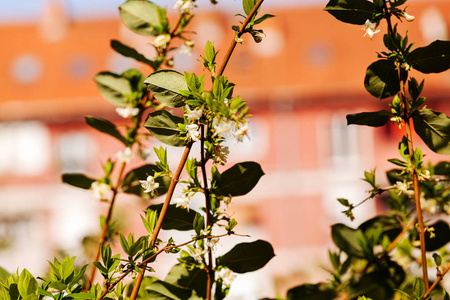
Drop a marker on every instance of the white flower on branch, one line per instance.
(161, 41)
(193, 115)
(193, 132)
(227, 200)
(241, 133)
(184, 6)
(408, 17)
(212, 243)
(221, 153)
(223, 127)
(402, 188)
(227, 276)
(101, 191)
(127, 112)
(187, 48)
(369, 29)
(125, 156)
(428, 205)
(198, 254)
(149, 185)
(184, 201)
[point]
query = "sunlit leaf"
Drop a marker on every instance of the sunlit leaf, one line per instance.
(434, 129)
(434, 58)
(351, 11)
(164, 126)
(165, 86)
(381, 79)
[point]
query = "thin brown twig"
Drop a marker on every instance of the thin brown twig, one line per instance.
(241, 32)
(435, 283)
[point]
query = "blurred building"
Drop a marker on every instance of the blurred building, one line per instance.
(300, 83)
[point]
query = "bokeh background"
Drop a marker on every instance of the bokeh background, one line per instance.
(300, 83)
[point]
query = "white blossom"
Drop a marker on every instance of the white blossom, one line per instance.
(187, 48)
(193, 115)
(406, 66)
(425, 175)
(125, 156)
(149, 185)
(127, 112)
(369, 29)
(221, 153)
(198, 254)
(428, 205)
(241, 133)
(238, 39)
(161, 41)
(193, 132)
(223, 127)
(184, 6)
(212, 243)
(183, 201)
(227, 276)
(408, 17)
(402, 187)
(101, 191)
(227, 200)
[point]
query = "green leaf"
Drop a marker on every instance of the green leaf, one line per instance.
(164, 126)
(247, 257)
(419, 288)
(128, 51)
(27, 284)
(434, 58)
(351, 11)
(113, 87)
(176, 218)
(160, 290)
(263, 18)
(140, 16)
(390, 226)
(346, 239)
(434, 129)
(194, 279)
(441, 238)
(381, 79)
(77, 179)
(248, 6)
(239, 179)
(442, 168)
(131, 184)
(318, 291)
(107, 127)
(165, 86)
(374, 119)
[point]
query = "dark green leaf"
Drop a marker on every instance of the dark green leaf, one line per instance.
(131, 52)
(351, 11)
(441, 238)
(113, 87)
(263, 18)
(131, 184)
(107, 127)
(140, 16)
(434, 58)
(346, 239)
(239, 179)
(165, 86)
(193, 279)
(160, 290)
(247, 257)
(78, 180)
(176, 218)
(442, 168)
(374, 119)
(318, 291)
(381, 79)
(434, 129)
(164, 126)
(389, 225)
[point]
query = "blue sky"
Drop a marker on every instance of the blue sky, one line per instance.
(14, 11)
